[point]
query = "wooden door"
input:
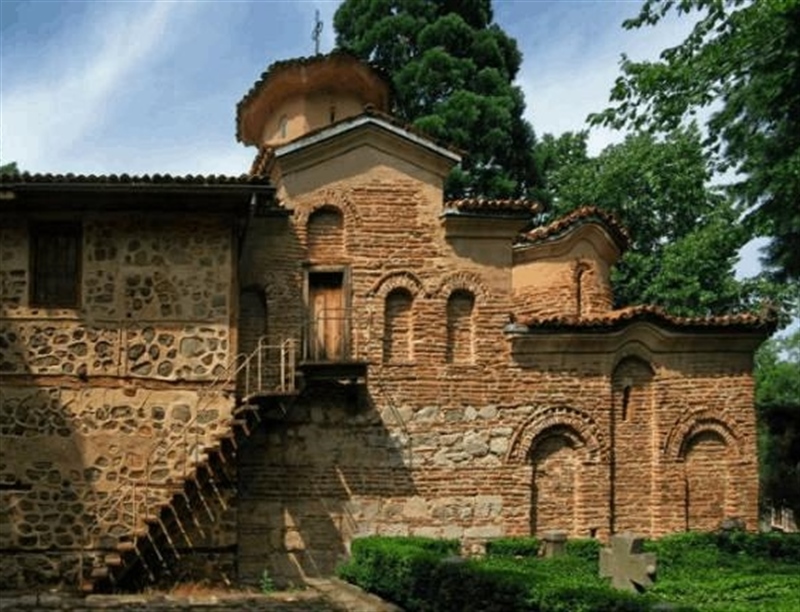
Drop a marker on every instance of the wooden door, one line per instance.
(326, 330)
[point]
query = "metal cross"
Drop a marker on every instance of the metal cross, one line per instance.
(317, 31)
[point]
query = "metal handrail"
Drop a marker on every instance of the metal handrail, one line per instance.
(127, 489)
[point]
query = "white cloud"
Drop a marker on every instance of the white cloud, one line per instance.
(576, 69)
(60, 104)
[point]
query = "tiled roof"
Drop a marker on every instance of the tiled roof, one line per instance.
(25, 178)
(262, 160)
(494, 207)
(281, 65)
(616, 319)
(577, 217)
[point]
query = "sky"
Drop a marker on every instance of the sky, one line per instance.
(109, 86)
(151, 86)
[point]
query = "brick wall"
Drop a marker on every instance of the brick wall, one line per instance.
(464, 435)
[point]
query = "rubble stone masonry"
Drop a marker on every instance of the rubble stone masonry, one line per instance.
(101, 405)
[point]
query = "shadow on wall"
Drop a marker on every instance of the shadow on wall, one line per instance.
(312, 480)
(48, 487)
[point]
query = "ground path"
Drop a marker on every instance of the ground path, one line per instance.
(321, 596)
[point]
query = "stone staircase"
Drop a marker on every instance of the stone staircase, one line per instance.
(171, 512)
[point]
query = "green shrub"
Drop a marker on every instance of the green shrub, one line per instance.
(513, 547)
(468, 586)
(734, 572)
(587, 549)
(783, 546)
(398, 569)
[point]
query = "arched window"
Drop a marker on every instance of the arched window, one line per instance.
(398, 332)
(632, 423)
(460, 327)
(325, 234)
(283, 122)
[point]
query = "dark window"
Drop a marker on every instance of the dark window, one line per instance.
(55, 264)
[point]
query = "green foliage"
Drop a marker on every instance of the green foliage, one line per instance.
(474, 586)
(741, 62)
(729, 571)
(398, 569)
(513, 547)
(777, 377)
(587, 549)
(685, 234)
(10, 168)
(696, 571)
(452, 70)
(266, 584)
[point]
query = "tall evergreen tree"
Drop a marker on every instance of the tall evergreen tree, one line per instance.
(452, 70)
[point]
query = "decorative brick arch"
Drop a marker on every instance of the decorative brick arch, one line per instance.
(394, 280)
(462, 281)
(335, 199)
(575, 425)
(693, 423)
(633, 351)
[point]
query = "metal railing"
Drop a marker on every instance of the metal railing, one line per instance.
(268, 369)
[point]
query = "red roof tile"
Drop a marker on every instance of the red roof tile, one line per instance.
(337, 55)
(616, 319)
(25, 178)
(577, 217)
(493, 207)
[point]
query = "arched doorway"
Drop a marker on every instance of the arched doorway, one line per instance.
(705, 479)
(554, 486)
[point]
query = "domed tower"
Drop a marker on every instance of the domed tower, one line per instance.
(295, 97)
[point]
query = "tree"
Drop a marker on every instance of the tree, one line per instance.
(452, 70)
(741, 62)
(10, 168)
(777, 376)
(685, 236)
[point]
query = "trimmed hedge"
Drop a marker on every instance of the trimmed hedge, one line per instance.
(696, 571)
(423, 576)
(513, 547)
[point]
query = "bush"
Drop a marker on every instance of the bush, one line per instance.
(420, 574)
(513, 547)
(398, 569)
(696, 571)
(587, 549)
(469, 586)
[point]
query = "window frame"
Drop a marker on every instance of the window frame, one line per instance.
(43, 236)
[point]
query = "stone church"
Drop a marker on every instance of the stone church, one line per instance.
(211, 377)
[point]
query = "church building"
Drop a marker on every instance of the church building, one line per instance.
(210, 377)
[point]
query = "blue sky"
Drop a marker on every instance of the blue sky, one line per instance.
(151, 86)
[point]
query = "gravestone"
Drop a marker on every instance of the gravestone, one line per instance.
(629, 568)
(554, 543)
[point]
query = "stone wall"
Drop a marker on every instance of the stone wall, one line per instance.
(104, 407)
